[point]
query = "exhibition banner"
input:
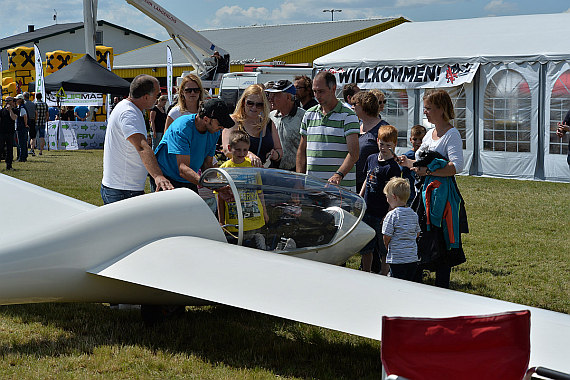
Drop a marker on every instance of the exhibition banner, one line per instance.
(40, 85)
(108, 103)
(406, 77)
(169, 74)
(73, 99)
(74, 135)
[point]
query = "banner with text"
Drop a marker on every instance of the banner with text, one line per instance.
(40, 87)
(73, 99)
(406, 77)
(74, 135)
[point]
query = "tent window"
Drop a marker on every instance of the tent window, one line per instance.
(559, 106)
(507, 113)
(396, 113)
(457, 95)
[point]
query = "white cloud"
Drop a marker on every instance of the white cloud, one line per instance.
(293, 11)
(237, 14)
(500, 6)
(413, 3)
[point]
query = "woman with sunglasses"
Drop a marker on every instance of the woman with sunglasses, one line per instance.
(252, 116)
(190, 94)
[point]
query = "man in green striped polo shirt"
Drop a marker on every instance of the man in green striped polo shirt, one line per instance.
(329, 136)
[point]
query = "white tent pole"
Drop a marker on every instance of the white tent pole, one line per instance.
(89, 20)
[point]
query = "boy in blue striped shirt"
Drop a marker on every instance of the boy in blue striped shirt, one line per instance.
(400, 230)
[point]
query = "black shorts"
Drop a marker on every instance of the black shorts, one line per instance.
(32, 129)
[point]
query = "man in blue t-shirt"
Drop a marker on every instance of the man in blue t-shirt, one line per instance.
(190, 143)
(81, 113)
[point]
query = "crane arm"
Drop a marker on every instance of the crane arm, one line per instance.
(184, 36)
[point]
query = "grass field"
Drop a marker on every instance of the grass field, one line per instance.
(517, 251)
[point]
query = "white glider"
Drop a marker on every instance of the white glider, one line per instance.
(168, 248)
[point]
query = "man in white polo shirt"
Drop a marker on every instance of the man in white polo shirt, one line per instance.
(127, 157)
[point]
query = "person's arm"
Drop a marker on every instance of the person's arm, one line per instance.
(13, 116)
(226, 141)
(149, 161)
(386, 240)
(25, 119)
(169, 121)
(277, 151)
(221, 210)
(363, 189)
(255, 161)
(152, 123)
(183, 162)
(562, 129)
(301, 166)
(208, 163)
(350, 159)
(447, 171)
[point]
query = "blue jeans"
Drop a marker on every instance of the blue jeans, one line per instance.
(22, 144)
(110, 195)
(156, 141)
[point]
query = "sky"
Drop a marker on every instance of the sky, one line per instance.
(214, 14)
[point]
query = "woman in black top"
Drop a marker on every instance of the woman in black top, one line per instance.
(158, 120)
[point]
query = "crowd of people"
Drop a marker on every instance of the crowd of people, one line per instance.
(301, 126)
(23, 125)
(412, 200)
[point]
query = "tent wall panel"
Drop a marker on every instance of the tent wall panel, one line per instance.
(502, 108)
(557, 99)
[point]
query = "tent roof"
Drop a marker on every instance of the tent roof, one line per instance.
(54, 30)
(490, 39)
(251, 43)
(86, 75)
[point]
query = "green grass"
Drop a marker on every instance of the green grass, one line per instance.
(517, 251)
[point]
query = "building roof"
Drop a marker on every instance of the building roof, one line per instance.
(527, 38)
(249, 44)
(53, 30)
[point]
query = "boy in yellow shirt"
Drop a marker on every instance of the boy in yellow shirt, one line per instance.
(255, 214)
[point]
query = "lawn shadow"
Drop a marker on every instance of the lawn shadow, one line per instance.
(216, 334)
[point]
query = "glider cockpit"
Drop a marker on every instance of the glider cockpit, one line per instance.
(301, 214)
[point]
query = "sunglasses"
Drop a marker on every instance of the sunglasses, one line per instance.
(299, 87)
(193, 89)
(250, 103)
(382, 101)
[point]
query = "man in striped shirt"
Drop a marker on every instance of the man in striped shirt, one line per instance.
(329, 136)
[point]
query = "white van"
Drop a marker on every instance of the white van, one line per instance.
(233, 84)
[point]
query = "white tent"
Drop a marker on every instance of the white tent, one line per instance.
(509, 78)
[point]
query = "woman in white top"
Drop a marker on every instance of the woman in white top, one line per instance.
(190, 94)
(446, 140)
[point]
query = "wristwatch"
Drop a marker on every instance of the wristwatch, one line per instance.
(341, 174)
(428, 172)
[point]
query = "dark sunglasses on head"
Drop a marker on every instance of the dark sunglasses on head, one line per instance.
(382, 101)
(192, 89)
(249, 103)
(299, 87)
